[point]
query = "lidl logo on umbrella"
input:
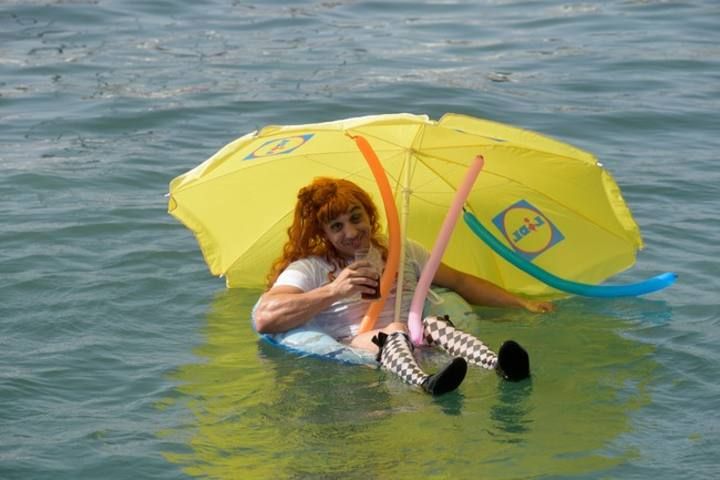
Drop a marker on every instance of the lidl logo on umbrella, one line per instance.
(279, 146)
(527, 229)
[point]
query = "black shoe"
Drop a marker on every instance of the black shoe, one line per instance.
(513, 362)
(447, 379)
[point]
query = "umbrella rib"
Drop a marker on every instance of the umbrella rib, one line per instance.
(402, 148)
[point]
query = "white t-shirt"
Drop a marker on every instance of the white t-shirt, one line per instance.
(342, 319)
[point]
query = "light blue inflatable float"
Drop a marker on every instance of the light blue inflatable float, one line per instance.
(306, 342)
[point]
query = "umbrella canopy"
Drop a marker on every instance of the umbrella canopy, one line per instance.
(548, 201)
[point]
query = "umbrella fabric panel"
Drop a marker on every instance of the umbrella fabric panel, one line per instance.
(262, 207)
(518, 136)
(571, 240)
(586, 253)
(537, 174)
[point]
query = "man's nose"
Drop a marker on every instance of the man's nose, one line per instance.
(351, 231)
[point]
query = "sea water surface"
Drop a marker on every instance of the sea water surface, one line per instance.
(122, 357)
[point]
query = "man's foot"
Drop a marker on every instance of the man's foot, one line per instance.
(513, 362)
(447, 379)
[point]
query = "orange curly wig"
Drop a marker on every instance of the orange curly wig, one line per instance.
(317, 204)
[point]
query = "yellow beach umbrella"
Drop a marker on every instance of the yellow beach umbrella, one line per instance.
(548, 201)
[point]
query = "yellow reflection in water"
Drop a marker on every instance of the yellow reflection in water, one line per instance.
(259, 412)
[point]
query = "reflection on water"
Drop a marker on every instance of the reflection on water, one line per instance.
(510, 413)
(258, 412)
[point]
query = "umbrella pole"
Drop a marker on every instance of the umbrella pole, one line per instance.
(403, 237)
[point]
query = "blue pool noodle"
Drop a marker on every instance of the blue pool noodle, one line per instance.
(650, 285)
